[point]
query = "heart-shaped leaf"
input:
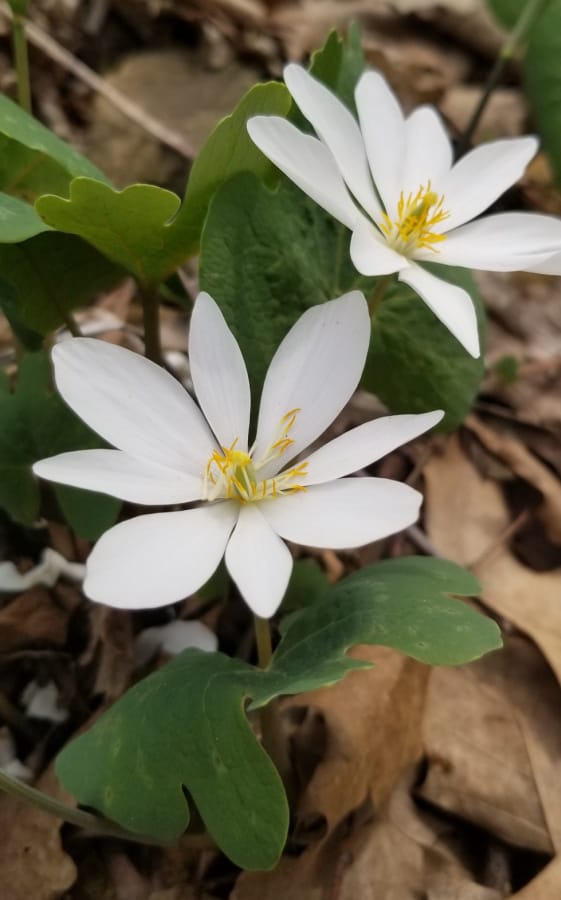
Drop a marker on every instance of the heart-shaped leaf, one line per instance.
(184, 727)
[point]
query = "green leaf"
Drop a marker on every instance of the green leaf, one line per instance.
(89, 514)
(35, 423)
(33, 160)
(542, 72)
(19, 6)
(266, 257)
(228, 151)
(308, 583)
(18, 220)
(49, 275)
(340, 63)
(145, 228)
(404, 603)
(134, 228)
(414, 363)
(184, 727)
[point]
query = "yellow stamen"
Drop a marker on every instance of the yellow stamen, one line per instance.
(417, 217)
(234, 474)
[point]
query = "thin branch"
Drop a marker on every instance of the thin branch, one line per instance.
(129, 108)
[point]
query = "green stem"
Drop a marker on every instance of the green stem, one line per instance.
(21, 62)
(528, 15)
(151, 322)
(378, 294)
(263, 640)
(78, 817)
(272, 733)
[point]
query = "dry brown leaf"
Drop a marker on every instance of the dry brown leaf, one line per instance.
(34, 617)
(524, 464)
(547, 885)
(182, 92)
(465, 516)
(489, 754)
(32, 862)
(111, 637)
(405, 855)
(364, 714)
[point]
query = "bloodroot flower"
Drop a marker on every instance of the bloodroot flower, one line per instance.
(391, 180)
(171, 451)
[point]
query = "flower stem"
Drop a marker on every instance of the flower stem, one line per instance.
(21, 63)
(151, 322)
(263, 640)
(70, 814)
(272, 733)
(529, 13)
(378, 295)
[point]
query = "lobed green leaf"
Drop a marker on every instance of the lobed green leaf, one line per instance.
(184, 728)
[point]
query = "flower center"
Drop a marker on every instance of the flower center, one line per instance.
(417, 216)
(233, 474)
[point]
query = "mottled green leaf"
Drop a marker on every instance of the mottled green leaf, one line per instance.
(406, 603)
(184, 728)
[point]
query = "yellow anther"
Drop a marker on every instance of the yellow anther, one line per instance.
(234, 474)
(417, 217)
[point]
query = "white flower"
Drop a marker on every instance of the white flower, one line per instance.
(249, 498)
(391, 180)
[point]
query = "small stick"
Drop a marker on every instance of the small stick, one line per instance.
(129, 108)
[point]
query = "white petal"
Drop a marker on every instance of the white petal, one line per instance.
(316, 369)
(307, 162)
(345, 513)
(338, 129)
(159, 558)
(428, 151)
(383, 130)
(364, 445)
(219, 373)
(259, 562)
(504, 242)
(173, 638)
(121, 475)
(132, 403)
(370, 253)
(551, 266)
(450, 303)
(482, 175)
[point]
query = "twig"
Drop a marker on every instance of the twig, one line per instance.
(129, 108)
(529, 14)
(499, 541)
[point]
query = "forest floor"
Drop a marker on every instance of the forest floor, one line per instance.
(418, 784)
